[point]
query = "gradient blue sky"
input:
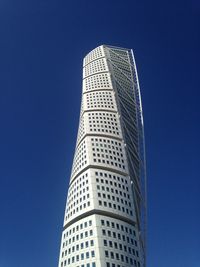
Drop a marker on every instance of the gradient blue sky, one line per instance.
(42, 44)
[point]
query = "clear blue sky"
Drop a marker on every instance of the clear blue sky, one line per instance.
(42, 44)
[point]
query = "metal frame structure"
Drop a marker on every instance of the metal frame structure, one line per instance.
(140, 182)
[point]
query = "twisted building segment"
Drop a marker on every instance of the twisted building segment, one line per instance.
(104, 224)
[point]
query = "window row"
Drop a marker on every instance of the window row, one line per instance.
(107, 129)
(81, 130)
(112, 190)
(79, 180)
(77, 198)
(103, 122)
(98, 65)
(111, 152)
(80, 158)
(136, 264)
(119, 246)
(111, 205)
(79, 246)
(99, 94)
(77, 209)
(113, 183)
(118, 226)
(111, 176)
(97, 52)
(78, 257)
(100, 99)
(79, 189)
(97, 81)
(102, 117)
(120, 257)
(119, 236)
(78, 227)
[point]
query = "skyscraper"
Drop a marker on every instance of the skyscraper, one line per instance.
(104, 222)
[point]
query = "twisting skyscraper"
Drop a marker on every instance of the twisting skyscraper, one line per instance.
(104, 223)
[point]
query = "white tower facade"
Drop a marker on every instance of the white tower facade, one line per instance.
(104, 222)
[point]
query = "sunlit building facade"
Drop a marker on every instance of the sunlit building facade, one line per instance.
(104, 221)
